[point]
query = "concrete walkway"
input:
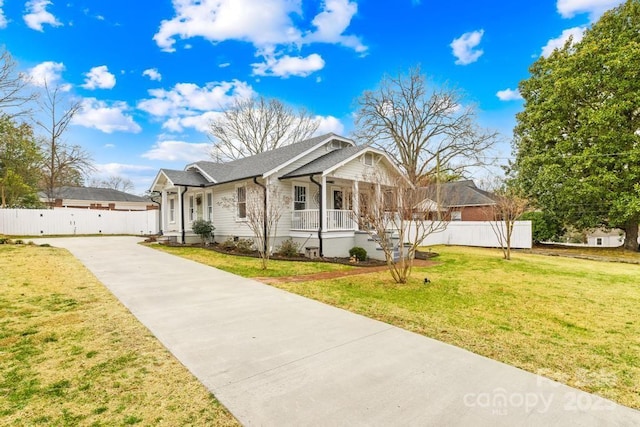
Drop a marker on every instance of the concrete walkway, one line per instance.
(276, 359)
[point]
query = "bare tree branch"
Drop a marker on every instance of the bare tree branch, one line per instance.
(14, 94)
(114, 182)
(424, 129)
(256, 125)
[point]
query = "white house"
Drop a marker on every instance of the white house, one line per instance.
(321, 175)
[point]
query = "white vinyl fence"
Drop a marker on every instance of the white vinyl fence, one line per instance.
(36, 222)
(478, 233)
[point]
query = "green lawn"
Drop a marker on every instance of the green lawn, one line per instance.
(572, 320)
(71, 354)
(249, 266)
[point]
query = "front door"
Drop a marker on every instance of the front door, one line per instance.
(337, 199)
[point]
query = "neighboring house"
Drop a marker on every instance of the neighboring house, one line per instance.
(96, 198)
(605, 238)
(459, 201)
(320, 176)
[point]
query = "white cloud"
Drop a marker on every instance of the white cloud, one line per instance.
(509, 95)
(576, 32)
(270, 25)
(109, 146)
(199, 122)
(188, 105)
(286, 66)
(224, 64)
(153, 74)
(463, 47)
(37, 15)
(178, 151)
(595, 8)
(3, 19)
(106, 118)
(111, 169)
(329, 124)
(259, 22)
(332, 22)
(48, 72)
(99, 78)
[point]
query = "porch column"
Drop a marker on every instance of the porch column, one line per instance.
(180, 212)
(164, 208)
(355, 204)
(323, 204)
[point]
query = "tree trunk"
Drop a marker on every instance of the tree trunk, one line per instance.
(631, 234)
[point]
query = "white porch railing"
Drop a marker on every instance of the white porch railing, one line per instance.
(339, 220)
(308, 220)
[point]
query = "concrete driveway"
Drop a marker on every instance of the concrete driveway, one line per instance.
(274, 358)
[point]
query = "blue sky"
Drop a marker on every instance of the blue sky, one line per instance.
(150, 75)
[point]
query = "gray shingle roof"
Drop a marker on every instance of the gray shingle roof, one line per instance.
(260, 163)
(190, 178)
(462, 193)
(325, 162)
(95, 194)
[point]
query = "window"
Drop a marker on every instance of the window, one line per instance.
(191, 208)
(456, 216)
(241, 197)
(389, 201)
(368, 159)
(172, 210)
(209, 206)
(599, 241)
(299, 198)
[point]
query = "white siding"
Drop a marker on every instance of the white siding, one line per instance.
(355, 170)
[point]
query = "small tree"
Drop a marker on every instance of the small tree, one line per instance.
(392, 211)
(63, 164)
(203, 228)
(508, 208)
(262, 215)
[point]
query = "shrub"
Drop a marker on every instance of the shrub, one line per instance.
(5, 241)
(244, 246)
(228, 244)
(359, 253)
(19, 242)
(288, 248)
(203, 228)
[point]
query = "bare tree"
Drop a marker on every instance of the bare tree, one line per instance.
(115, 182)
(252, 126)
(428, 130)
(63, 164)
(262, 216)
(508, 208)
(14, 94)
(395, 213)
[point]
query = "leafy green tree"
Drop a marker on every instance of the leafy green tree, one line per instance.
(577, 142)
(543, 227)
(20, 161)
